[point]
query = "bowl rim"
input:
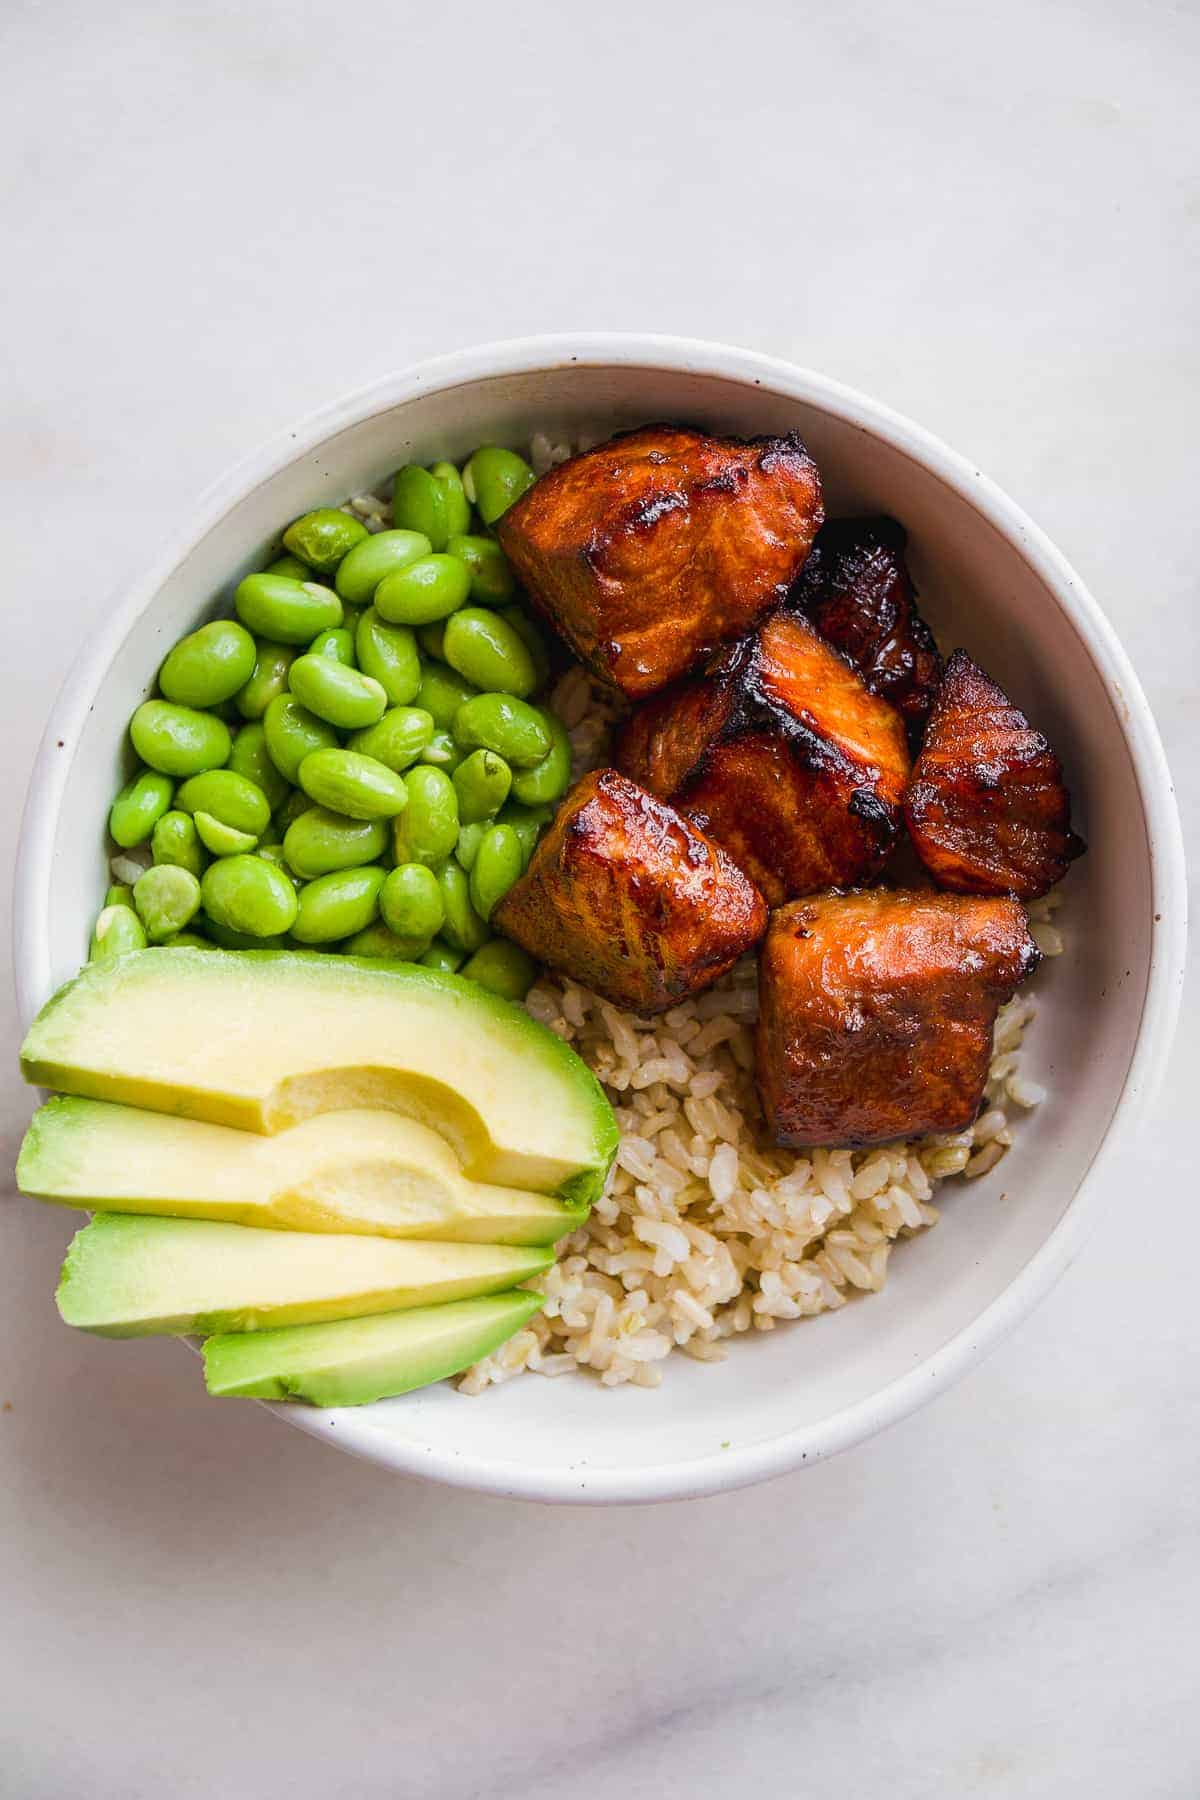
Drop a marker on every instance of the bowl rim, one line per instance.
(777, 1455)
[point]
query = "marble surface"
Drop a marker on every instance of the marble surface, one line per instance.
(218, 217)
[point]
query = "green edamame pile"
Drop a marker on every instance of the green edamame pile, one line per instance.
(357, 761)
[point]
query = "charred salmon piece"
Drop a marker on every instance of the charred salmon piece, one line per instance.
(876, 1012)
(857, 591)
(987, 809)
(781, 753)
(651, 549)
(629, 899)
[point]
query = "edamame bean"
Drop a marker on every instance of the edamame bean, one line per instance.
(231, 798)
(273, 853)
(486, 651)
(462, 926)
(492, 580)
(167, 899)
(176, 740)
(428, 589)
(293, 733)
(343, 696)
(324, 537)
(347, 782)
(498, 863)
(467, 848)
(251, 758)
(249, 896)
(188, 940)
(442, 752)
(223, 839)
(269, 680)
(528, 823)
(534, 642)
(337, 643)
(207, 667)
(287, 612)
(432, 638)
(397, 739)
(117, 931)
(292, 566)
(458, 507)
(138, 807)
(228, 939)
(321, 841)
(388, 653)
(378, 942)
(503, 968)
(441, 692)
(513, 729)
(127, 865)
(427, 829)
(303, 664)
(419, 504)
(494, 478)
(411, 903)
(443, 957)
(337, 905)
(481, 781)
(548, 780)
(177, 842)
(286, 815)
(119, 894)
(362, 570)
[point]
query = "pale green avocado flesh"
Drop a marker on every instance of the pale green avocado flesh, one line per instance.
(261, 1040)
(355, 1361)
(128, 1276)
(359, 1171)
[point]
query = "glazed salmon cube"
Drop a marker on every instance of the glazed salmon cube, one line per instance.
(651, 549)
(629, 899)
(781, 753)
(988, 811)
(876, 1012)
(857, 591)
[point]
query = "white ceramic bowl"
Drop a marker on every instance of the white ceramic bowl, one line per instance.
(990, 581)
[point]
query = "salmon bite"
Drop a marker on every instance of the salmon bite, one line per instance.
(651, 549)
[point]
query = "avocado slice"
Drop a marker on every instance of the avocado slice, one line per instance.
(355, 1361)
(128, 1276)
(356, 1171)
(261, 1039)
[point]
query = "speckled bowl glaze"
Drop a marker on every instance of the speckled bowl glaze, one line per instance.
(989, 580)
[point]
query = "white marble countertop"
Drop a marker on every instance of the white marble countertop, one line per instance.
(217, 217)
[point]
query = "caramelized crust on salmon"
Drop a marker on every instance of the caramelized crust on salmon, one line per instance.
(987, 811)
(662, 543)
(628, 898)
(780, 753)
(856, 589)
(876, 1012)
